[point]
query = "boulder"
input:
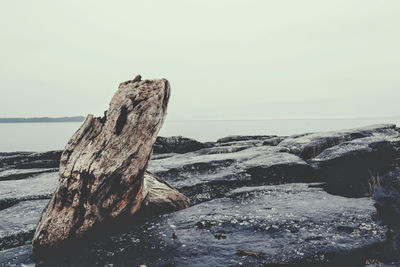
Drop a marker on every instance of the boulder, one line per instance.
(176, 144)
(387, 203)
(353, 168)
(103, 165)
(310, 145)
(387, 198)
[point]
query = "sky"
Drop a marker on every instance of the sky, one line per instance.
(225, 59)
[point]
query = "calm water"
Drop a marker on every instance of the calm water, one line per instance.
(52, 136)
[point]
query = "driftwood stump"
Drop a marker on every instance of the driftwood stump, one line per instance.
(103, 166)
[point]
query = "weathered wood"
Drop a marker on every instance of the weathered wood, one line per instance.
(102, 166)
(160, 197)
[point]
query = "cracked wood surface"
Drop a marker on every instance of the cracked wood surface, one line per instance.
(103, 164)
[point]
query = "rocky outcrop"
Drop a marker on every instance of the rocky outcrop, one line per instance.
(310, 145)
(40, 186)
(252, 203)
(28, 160)
(103, 165)
(250, 226)
(353, 168)
(176, 144)
(212, 172)
(395, 142)
(18, 223)
(235, 138)
(388, 199)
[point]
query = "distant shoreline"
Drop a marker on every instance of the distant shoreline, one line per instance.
(42, 119)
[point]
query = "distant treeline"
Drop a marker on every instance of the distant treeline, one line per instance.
(42, 119)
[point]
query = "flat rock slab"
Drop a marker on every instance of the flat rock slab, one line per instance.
(28, 160)
(17, 256)
(211, 172)
(19, 174)
(176, 144)
(310, 145)
(235, 138)
(292, 223)
(40, 186)
(18, 223)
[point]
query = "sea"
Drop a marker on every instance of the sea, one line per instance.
(54, 136)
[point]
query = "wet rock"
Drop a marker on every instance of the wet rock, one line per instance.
(353, 168)
(18, 223)
(18, 256)
(274, 141)
(176, 144)
(291, 223)
(49, 159)
(208, 173)
(395, 142)
(388, 198)
(247, 207)
(18, 174)
(249, 253)
(224, 149)
(40, 186)
(102, 166)
(7, 154)
(310, 145)
(235, 138)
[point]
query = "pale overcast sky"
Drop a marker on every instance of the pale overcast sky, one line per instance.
(225, 59)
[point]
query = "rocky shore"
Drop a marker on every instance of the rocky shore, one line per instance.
(317, 198)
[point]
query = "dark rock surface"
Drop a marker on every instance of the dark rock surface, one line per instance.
(176, 144)
(18, 174)
(235, 138)
(395, 142)
(28, 160)
(353, 168)
(291, 223)
(18, 223)
(40, 186)
(310, 145)
(211, 172)
(388, 199)
(253, 203)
